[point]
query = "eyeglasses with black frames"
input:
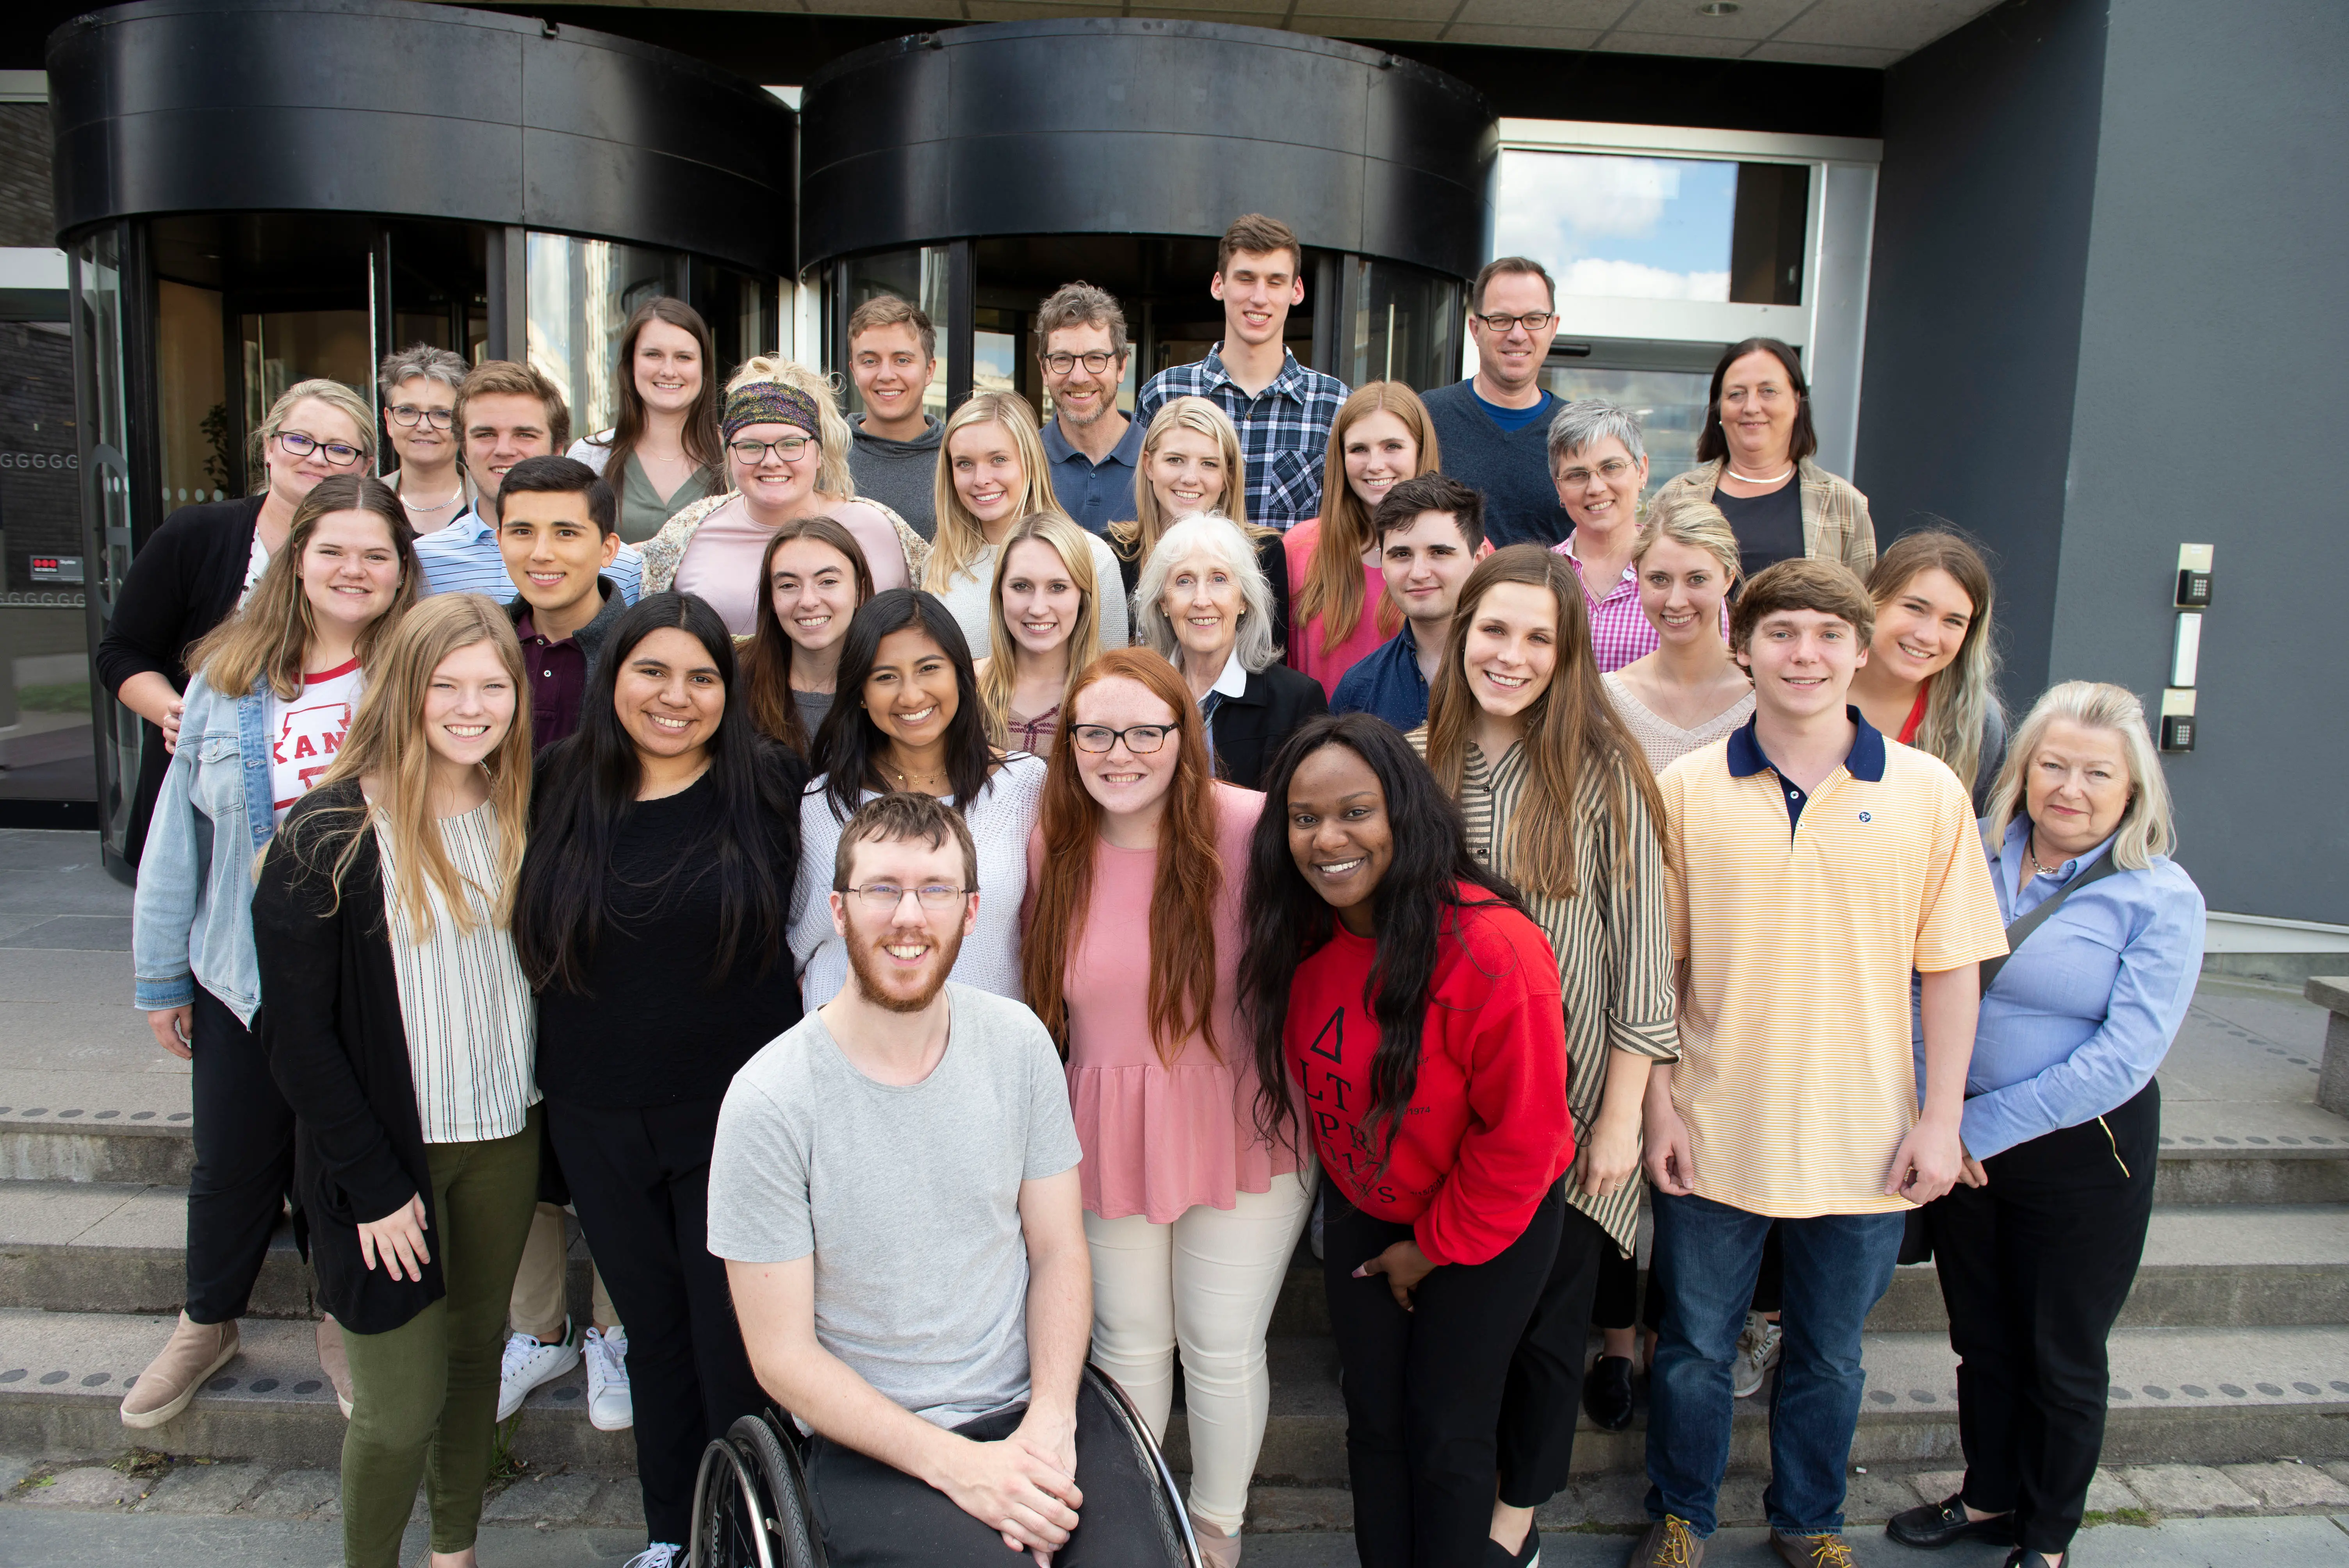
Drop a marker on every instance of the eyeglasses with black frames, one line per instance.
(339, 454)
(749, 453)
(1142, 739)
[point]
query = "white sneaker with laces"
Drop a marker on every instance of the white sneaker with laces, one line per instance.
(659, 1555)
(529, 1363)
(608, 1404)
(1758, 1348)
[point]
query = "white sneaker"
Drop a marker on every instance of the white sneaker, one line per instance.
(1757, 1351)
(608, 1404)
(529, 1363)
(659, 1555)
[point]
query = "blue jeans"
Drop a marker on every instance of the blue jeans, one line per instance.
(1837, 1267)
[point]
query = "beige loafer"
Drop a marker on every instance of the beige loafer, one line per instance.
(1217, 1550)
(193, 1353)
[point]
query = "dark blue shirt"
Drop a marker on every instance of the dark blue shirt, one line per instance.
(1095, 494)
(1515, 419)
(1386, 682)
(1864, 760)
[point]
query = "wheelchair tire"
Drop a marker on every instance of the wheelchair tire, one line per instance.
(1176, 1543)
(750, 1503)
(799, 1543)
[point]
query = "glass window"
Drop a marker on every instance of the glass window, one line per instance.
(44, 731)
(917, 275)
(102, 438)
(1406, 327)
(285, 346)
(1669, 404)
(192, 394)
(1617, 226)
(581, 294)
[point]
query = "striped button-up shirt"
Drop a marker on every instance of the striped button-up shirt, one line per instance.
(1621, 631)
(463, 558)
(1284, 429)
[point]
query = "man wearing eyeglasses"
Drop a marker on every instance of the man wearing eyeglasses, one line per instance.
(505, 412)
(1096, 450)
(418, 398)
(1495, 427)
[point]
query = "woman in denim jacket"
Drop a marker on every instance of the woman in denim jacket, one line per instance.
(273, 692)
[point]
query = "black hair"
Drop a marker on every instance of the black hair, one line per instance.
(1713, 442)
(552, 475)
(1409, 499)
(586, 786)
(1419, 902)
(847, 748)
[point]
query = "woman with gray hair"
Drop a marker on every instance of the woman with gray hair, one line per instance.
(2038, 1245)
(1599, 464)
(419, 386)
(1203, 602)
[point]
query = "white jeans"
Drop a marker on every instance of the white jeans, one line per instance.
(1207, 1281)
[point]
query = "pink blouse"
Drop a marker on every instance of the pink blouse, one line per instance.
(1159, 1138)
(1305, 653)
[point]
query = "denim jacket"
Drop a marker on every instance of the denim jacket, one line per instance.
(192, 916)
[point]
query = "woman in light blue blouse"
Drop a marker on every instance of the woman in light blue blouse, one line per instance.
(2063, 1118)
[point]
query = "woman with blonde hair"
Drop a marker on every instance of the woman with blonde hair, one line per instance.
(787, 457)
(2039, 1244)
(1192, 462)
(206, 559)
(1043, 628)
(1688, 691)
(267, 713)
(1932, 676)
(1381, 436)
(992, 472)
(816, 579)
(1191, 1213)
(400, 1028)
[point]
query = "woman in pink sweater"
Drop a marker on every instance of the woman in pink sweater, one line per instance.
(1192, 1215)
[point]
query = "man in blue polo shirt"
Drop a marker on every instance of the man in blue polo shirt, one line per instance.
(1495, 426)
(1096, 450)
(1431, 534)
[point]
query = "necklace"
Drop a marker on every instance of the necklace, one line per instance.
(2031, 853)
(433, 506)
(902, 779)
(1752, 479)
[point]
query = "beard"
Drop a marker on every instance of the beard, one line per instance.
(867, 973)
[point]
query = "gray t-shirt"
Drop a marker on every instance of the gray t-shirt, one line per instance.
(908, 1197)
(813, 705)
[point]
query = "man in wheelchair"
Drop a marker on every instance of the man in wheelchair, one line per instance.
(894, 1190)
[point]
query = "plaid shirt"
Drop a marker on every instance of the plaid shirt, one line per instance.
(1621, 631)
(1284, 429)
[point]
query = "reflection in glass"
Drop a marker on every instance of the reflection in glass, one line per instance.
(97, 308)
(283, 346)
(994, 362)
(45, 732)
(918, 276)
(1669, 404)
(191, 408)
(580, 295)
(1406, 326)
(1615, 226)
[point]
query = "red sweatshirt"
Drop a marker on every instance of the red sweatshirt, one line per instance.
(1488, 1131)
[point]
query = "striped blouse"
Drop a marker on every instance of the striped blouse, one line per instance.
(472, 1033)
(1613, 945)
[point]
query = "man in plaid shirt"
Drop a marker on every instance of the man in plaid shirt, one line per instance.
(1284, 410)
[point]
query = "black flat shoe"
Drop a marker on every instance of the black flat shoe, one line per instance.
(2019, 1558)
(1932, 1525)
(1528, 1555)
(1607, 1392)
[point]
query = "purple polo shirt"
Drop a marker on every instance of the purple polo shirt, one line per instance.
(558, 679)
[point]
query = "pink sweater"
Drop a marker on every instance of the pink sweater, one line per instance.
(1160, 1139)
(1305, 652)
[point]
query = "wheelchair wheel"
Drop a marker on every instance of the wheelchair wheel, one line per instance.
(750, 1503)
(1177, 1545)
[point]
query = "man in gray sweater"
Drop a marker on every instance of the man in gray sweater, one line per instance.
(1495, 427)
(891, 354)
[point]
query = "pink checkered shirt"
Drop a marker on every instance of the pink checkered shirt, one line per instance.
(1621, 631)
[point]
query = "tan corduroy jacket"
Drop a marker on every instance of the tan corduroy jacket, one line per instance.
(1835, 525)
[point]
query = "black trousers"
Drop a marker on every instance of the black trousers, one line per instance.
(245, 1162)
(1424, 1388)
(640, 1182)
(872, 1516)
(2035, 1269)
(1543, 1398)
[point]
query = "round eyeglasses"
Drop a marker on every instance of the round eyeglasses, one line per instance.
(1094, 363)
(408, 416)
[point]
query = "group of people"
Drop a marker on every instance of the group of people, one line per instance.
(934, 932)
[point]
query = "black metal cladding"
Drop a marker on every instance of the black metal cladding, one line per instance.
(1109, 124)
(415, 110)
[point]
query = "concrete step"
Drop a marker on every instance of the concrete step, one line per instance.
(2179, 1396)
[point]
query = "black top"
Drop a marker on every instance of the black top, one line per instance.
(652, 1030)
(1270, 553)
(330, 1024)
(1769, 527)
(1248, 729)
(182, 584)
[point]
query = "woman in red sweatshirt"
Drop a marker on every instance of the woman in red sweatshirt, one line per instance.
(1398, 986)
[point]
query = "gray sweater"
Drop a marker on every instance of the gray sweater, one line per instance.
(900, 474)
(1511, 467)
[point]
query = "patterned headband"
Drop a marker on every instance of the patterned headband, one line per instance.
(771, 403)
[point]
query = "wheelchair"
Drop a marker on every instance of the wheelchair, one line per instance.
(751, 1504)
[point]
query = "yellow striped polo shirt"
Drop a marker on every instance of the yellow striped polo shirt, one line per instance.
(1800, 920)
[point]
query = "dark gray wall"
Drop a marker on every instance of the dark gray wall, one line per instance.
(2209, 408)
(1974, 297)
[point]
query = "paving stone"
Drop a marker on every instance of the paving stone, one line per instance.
(1564, 1511)
(299, 1494)
(2187, 1488)
(561, 1499)
(618, 1503)
(1873, 1498)
(87, 1486)
(2281, 1485)
(1739, 1503)
(15, 1468)
(1284, 1509)
(205, 1488)
(1936, 1486)
(2107, 1493)
(1618, 1497)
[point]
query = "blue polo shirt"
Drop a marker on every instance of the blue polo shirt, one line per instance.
(1095, 494)
(1386, 682)
(1864, 761)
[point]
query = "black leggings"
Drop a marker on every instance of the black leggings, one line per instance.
(1425, 1389)
(245, 1162)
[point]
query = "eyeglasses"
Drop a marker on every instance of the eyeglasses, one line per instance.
(337, 453)
(1061, 363)
(791, 449)
(1142, 739)
(882, 898)
(408, 415)
(1611, 470)
(1533, 320)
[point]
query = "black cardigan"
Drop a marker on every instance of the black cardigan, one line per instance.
(330, 1025)
(1248, 729)
(181, 584)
